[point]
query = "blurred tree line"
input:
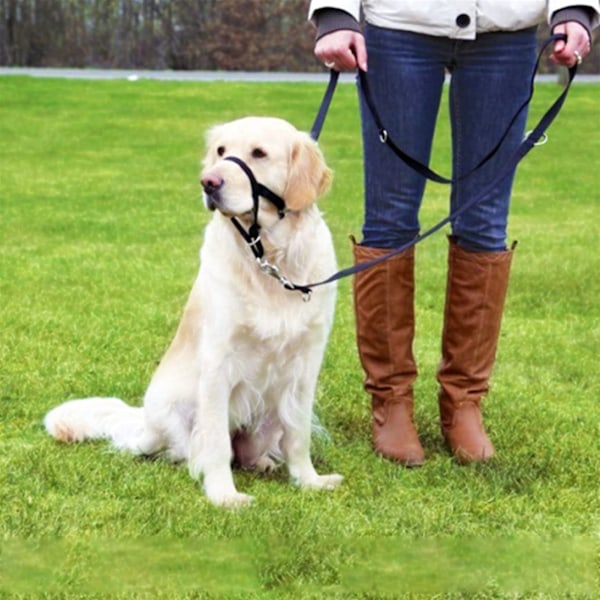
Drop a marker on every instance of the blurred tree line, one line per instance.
(253, 35)
(157, 34)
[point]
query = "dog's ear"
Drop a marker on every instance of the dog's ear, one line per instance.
(309, 177)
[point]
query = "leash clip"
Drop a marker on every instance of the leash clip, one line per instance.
(268, 269)
(273, 271)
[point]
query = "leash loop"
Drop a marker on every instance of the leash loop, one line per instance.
(269, 269)
(424, 170)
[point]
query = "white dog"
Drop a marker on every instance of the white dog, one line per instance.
(239, 377)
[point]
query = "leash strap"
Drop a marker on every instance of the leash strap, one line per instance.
(315, 131)
(252, 236)
(526, 145)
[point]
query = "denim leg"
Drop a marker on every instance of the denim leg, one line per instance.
(490, 80)
(406, 75)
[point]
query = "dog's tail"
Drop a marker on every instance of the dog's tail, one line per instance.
(101, 418)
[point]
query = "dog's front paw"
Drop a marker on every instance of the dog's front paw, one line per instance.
(322, 482)
(231, 500)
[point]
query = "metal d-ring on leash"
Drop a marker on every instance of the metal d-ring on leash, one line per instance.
(535, 137)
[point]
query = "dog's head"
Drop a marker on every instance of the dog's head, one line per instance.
(283, 159)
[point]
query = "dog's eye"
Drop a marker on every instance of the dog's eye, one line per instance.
(221, 150)
(258, 153)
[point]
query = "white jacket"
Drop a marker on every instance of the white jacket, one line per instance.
(460, 19)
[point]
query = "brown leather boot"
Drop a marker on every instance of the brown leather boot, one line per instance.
(475, 293)
(383, 303)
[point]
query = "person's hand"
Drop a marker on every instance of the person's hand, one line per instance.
(342, 50)
(576, 47)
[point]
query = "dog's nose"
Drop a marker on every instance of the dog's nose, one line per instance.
(211, 183)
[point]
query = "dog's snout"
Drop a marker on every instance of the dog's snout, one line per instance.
(211, 183)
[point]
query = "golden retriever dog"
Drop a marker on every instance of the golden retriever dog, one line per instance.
(239, 378)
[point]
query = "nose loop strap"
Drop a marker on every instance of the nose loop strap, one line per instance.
(253, 186)
(259, 190)
(252, 236)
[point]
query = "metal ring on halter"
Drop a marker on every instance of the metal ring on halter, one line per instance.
(578, 57)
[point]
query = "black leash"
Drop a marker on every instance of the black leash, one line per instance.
(315, 130)
(527, 144)
(252, 235)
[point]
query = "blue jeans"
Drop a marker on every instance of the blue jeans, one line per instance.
(490, 79)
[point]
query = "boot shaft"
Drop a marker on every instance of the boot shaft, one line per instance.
(384, 309)
(475, 296)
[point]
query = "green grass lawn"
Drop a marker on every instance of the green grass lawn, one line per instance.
(101, 221)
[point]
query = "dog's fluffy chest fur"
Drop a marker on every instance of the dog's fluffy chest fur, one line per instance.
(261, 331)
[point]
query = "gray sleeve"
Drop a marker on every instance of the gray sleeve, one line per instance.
(328, 20)
(581, 14)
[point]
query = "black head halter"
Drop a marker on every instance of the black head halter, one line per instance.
(252, 235)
